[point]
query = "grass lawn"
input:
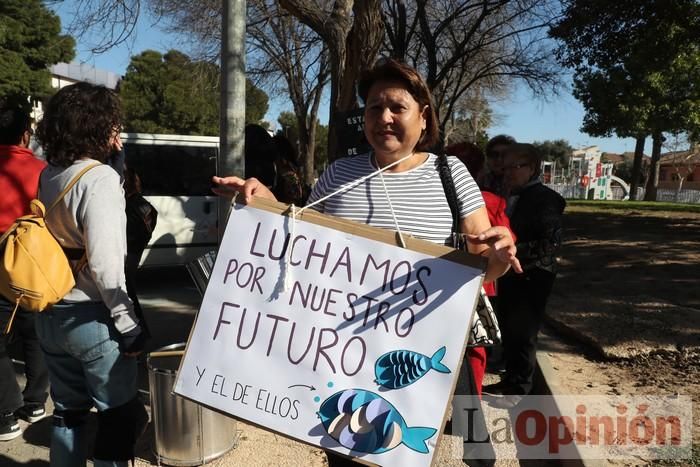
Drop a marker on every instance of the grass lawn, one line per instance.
(633, 205)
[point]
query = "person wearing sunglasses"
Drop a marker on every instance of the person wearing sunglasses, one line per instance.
(492, 178)
(535, 213)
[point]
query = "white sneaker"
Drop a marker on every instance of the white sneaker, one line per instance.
(9, 428)
(31, 414)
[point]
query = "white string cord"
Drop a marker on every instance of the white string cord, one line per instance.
(287, 282)
(391, 208)
(288, 257)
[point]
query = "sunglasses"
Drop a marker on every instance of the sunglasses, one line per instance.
(516, 166)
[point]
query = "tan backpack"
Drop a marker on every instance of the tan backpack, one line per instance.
(34, 270)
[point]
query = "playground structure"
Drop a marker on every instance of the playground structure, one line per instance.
(585, 177)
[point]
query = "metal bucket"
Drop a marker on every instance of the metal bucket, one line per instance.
(186, 433)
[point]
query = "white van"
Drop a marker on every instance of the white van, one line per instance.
(175, 173)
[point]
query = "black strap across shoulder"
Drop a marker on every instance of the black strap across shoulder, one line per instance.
(449, 187)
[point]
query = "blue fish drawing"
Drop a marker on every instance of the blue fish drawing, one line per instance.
(399, 368)
(365, 422)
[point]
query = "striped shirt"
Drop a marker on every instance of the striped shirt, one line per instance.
(417, 196)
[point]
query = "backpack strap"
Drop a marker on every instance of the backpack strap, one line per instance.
(7, 233)
(70, 185)
(72, 253)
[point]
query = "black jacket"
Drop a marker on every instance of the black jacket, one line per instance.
(536, 221)
(141, 218)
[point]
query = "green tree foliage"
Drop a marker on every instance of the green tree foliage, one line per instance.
(256, 103)
(170, 94)
(636, 68)
(30, 41)
(558, 150)
(173, 94)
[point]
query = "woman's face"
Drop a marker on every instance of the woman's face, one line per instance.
(494, 159)
(517, 171)
(394, 120)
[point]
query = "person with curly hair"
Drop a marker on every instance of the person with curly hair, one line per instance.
(91, 338)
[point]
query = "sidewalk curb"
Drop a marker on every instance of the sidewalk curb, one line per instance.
(547, 383)
(570, 331)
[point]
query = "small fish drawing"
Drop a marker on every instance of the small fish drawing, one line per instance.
(365, 422)
(399, 368)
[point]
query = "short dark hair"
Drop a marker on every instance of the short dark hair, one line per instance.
(389, 69)
(285, 149)
(259, 154)
(498, 140)
(78, 122)
(13, 123)
(529, 152)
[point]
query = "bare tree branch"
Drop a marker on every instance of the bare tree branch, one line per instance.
(112, 22)
(468, 48)
(352, 30)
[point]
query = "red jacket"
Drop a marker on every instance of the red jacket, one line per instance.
(19, 182)
(496, 208)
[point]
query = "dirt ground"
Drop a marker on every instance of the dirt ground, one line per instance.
(629, 290)
(630, 280)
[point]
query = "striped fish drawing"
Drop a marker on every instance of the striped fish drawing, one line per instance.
(363, 421)
(400, 368)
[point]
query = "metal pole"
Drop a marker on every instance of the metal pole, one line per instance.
(232, 97)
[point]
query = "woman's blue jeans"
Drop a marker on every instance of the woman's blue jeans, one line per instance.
(86, 369)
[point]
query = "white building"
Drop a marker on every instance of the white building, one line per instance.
(64, 74)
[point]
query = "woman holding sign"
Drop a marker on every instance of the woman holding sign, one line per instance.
(408, 194)
(401, 125)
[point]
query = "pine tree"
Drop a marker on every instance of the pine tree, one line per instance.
(30, 41)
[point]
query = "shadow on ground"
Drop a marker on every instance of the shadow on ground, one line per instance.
(629, 281)
(170, 301)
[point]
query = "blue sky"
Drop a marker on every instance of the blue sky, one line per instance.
(521, 115)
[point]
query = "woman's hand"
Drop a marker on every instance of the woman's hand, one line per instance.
(229, 186)
(502, 246)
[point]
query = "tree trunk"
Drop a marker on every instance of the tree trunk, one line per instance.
(306, 143)
(653, 181)
(337, 75)
(310, 163)
(361, 48)
(353, 33)
(637, 167)
(680, 188)
(334, 30)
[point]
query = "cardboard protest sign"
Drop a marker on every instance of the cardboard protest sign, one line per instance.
(358, 355)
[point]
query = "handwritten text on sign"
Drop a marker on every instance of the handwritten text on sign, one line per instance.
(358, 354)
